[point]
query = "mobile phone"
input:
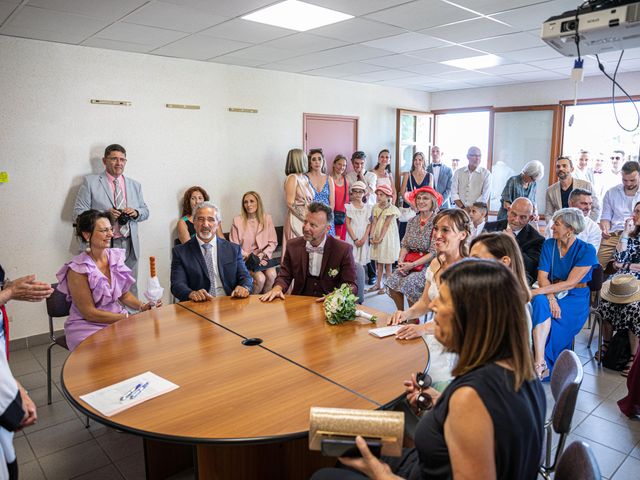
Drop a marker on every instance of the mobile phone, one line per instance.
(346, 447)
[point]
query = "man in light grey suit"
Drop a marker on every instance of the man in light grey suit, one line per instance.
(442, 176)
(122, 197)
(557, 195)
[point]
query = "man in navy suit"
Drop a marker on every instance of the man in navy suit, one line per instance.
(208, 266)
(442, 176)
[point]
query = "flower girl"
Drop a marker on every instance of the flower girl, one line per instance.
(385, 240)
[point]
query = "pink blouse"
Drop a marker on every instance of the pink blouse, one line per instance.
(252, 238)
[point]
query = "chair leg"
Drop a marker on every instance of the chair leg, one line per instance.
(547, 462)
(49, 374)
(86, 423)
(599, 338)
(594, 322)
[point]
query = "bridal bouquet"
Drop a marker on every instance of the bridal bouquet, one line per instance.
(340, 306)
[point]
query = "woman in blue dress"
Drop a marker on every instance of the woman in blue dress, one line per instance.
(561, 301)
(321, 183)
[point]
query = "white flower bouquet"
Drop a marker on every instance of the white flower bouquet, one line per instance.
(340, 306)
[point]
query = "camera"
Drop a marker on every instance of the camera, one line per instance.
(124, 218)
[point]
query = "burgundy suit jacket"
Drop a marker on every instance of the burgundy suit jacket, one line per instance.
(337, 255)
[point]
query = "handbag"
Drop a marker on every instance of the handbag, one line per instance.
(340, 217)
(412, 257)
(618, 353)
(406, 213)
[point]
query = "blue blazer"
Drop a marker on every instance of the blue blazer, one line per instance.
(445, 179)
(189, 270)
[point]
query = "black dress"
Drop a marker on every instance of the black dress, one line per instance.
(518, 423)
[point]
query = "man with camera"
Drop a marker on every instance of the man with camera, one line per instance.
(122, 197)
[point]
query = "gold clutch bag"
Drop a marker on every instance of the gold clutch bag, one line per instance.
(333, 430)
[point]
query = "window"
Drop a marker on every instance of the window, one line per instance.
(414, 135)
(457, 131)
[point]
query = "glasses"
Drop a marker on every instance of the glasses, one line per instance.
(423, 400)
(115, 159)
(105, 230)
(616, 158)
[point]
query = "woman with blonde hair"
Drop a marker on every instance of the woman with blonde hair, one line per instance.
(253, 230)
(298, 195)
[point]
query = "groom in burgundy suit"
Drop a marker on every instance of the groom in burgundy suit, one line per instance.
(316, 263)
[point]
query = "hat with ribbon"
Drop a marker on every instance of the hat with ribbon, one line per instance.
(622, 289)
(386, 189)
(410, 197)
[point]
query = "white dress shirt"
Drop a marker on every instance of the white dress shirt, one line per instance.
(586, 174)
(617, 206)
(436, 172)
(315, 258)
(214, 256)
(475, 231)
(470, 187)
(591, 233)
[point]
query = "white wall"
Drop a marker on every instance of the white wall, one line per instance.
(51, 136)
(537, 93)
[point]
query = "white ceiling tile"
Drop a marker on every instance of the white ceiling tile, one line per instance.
(357, 7)
(491, 81)
(379, 76)
(305, 43)
(533, 16)
(116, 45)
(283, 68)
(492, 6)
(41, 24)
(406, 42)
(475, 29)
(447, 53)
(453, 85)
(629, 54)
(357, 30)
(533, 54)
(334, 56)
(430, 68)
(173, 17)
(395, 61)
(246, 31)
(261, 54)
(462, 75)
(507, 43)
(5, 10)
(127, 32)
(343, 70)
(422, 14)
(230, 59)
(510, 69)
(555, 64)
(200, 47)
(107, 10)
(225, 8)
(536, 76)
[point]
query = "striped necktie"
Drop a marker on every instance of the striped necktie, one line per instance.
(208, 259)
(120, 205)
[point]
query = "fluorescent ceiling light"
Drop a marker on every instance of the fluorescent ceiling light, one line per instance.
(475, 63)
(297, 15)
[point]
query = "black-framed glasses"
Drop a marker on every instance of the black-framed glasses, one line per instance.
(615, 158)
(423, 400)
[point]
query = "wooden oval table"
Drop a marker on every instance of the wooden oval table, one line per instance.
(240, 411)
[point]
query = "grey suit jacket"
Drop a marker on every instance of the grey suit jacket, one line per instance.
(445, 178)
(95, 193)
(554, 199)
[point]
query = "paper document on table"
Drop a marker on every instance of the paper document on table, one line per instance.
(128, 393)
(384, 331)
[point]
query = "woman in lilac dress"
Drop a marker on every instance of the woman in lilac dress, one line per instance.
(97, 281)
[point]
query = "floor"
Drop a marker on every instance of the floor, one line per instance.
(60, 447)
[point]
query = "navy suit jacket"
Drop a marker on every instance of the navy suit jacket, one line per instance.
(445, 179)
(189, 270)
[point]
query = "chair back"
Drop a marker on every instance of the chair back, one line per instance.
(57, 307)
(565, 384)
(577, 463)
(597, 277)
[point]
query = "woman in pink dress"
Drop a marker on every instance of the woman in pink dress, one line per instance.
(97, 281)
(341, 189)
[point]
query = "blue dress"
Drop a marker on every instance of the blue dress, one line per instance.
(322, 196)
(574, 306)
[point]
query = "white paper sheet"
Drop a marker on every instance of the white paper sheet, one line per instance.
(384, 331)
(107, 399)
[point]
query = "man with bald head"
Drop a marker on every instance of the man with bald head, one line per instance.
(529, 240)
(472, 183)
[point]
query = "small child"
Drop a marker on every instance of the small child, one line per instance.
(385, 238)
(358, 223)
(478, 215)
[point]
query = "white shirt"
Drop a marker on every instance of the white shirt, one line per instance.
(371, 179)
(591, 233)
(475, 231)
(315, 259)
(436, 172)
(470, 187)
(214, 256)
(617, 206)
(586, 174)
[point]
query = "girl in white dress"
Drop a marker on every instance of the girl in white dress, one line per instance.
(358, 223)
(385, 239)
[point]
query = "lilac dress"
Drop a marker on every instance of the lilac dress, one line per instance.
(105, 295)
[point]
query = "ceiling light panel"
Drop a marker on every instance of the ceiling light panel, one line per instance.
(475, 63)
(296, 15)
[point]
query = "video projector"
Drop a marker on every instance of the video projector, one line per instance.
(603, 26)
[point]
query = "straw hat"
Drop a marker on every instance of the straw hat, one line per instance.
(410, 197)
(358, 185)
(621, 289)
(384, 189)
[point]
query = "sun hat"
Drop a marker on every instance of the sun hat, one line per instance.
(621, 289)
(384, 189)
(410, 197)
(359, 185)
